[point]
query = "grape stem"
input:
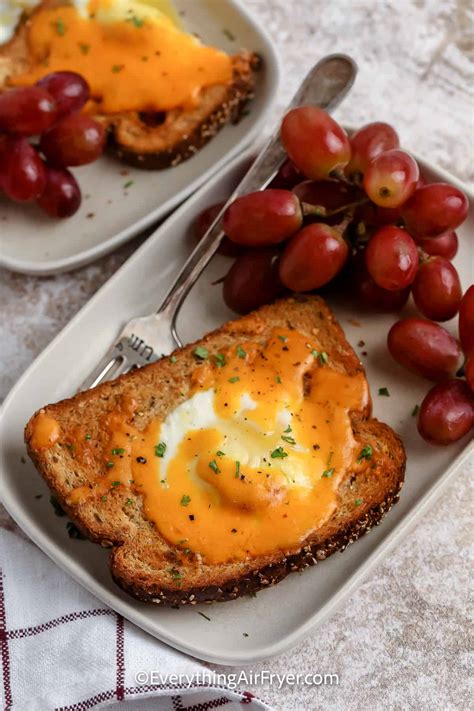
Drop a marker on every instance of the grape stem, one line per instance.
(320, 211)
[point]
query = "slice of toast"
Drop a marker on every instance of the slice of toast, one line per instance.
(142, 562)
(155, 140)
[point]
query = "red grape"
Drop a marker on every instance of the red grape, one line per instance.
(437, 289)
(367, 143)
(425, 348)
(252, 280)
(469, 371)
(375, 216)
(312, 257)
(23, 170)
(443, 246)
(202, 223)
(447, 413)
(61, 196)
(26, 111)
(315, 143)
(262, 218)
(2, 159)
(330, 194)
(391, 178)
(287, 177)
(74, 140)
(69, 90)
(434, 209)
(466, 321)
(391, 258)
(370, 293)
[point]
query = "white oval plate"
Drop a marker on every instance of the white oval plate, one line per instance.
(120, 201)
(276, 618)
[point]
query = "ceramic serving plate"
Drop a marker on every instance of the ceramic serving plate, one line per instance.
(276, 618)
(120, 201)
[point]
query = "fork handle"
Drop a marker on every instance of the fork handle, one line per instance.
(325, 86)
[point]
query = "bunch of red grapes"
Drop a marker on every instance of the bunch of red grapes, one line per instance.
(42, 133)
(355, 211)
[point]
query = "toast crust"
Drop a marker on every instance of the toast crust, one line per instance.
(156, 141)
(140, 557)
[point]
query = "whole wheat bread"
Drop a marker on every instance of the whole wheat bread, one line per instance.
(141, 559)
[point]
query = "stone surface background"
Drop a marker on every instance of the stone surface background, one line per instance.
(404, 638)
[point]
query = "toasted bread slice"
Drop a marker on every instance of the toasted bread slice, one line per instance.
(141, 558)
(155, 140)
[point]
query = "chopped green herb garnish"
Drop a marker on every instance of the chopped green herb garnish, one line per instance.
(109, 465)
(175, 573)
(219, 453)
(237, 470)
(384, 392)
(88, 436)
(173, 359)
(205, 616)
(358, 502)
(283, 338)
(115, 483)
(84, 47)
(73, 531)
(118, 450)
(290, 440)
(136, 21)
(278, 379)
(160, 449)
(128, 184)
(129, 502)
(415, 411)
(328, 473)
(103, 498)
(229, 34)
(60, 27)
(288, 429)
(323, 357)
(240, 352)
(366, 453)
(234, 379)
(116, 68)
(201, 352)
(214, 467)
(185, 500)
(220, 360)
(278, 453)
(315, 353)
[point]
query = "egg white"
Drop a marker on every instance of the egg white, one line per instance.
(242, 441)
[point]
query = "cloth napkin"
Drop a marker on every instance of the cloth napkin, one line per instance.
(62, 649)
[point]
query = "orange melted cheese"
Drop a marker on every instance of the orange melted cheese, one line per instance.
(46, 431)
(131, 65)
(228, 509)
(261, 471)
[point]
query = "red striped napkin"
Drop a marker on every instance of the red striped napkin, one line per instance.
(62, 649)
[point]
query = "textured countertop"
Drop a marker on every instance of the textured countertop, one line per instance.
(402, 640)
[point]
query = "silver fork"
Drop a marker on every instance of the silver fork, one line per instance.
(147, 338)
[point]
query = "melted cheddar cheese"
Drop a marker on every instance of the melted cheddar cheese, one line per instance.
(133, 56)
(251, 461)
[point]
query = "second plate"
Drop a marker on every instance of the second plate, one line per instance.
(120, 201)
